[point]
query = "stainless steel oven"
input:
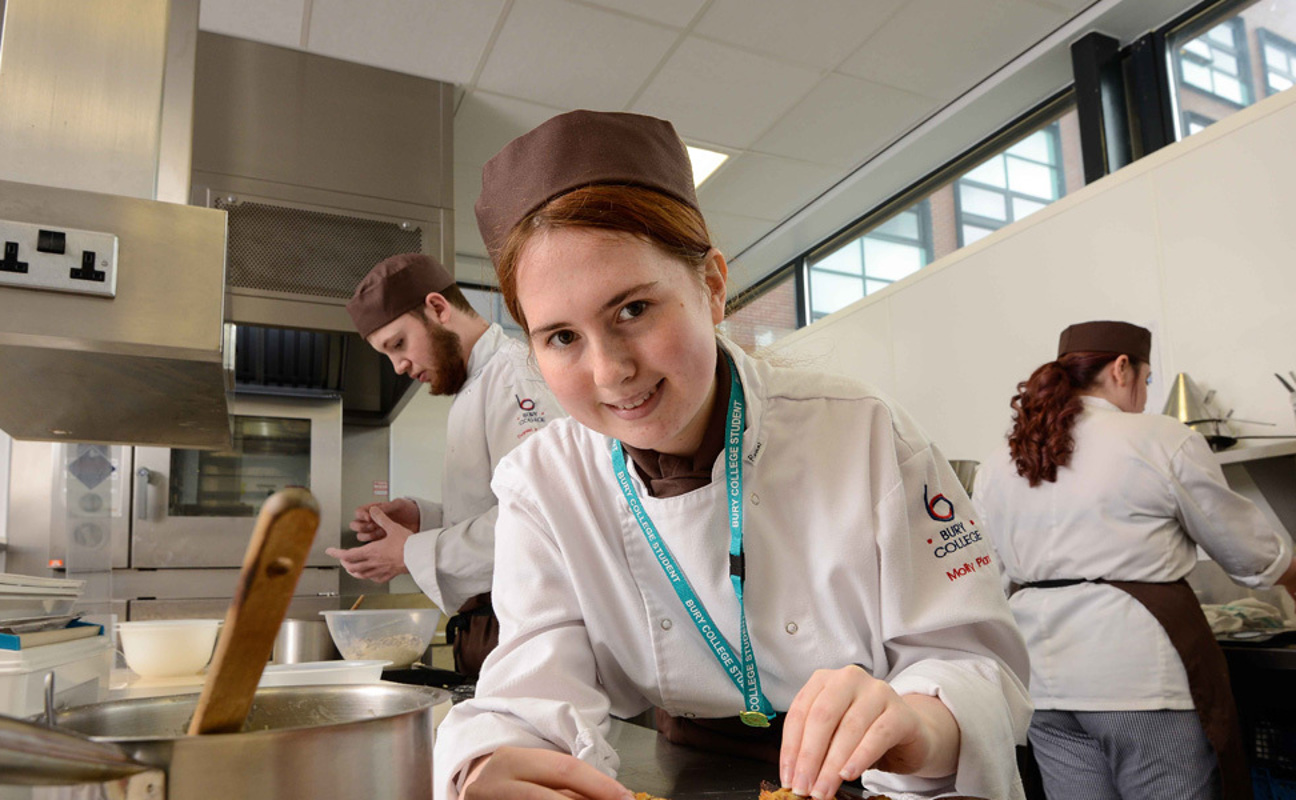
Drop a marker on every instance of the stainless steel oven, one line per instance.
(196, 508)
(161, 533)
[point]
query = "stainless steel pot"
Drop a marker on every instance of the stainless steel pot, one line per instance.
(317, 742)
(303, 640)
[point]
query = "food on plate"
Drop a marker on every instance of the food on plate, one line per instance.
(771, 792)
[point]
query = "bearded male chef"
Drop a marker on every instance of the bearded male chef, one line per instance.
(409, 309)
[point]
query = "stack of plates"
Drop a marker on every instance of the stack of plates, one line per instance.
(23, 597)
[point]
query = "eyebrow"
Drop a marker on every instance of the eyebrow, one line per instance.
(612, 302)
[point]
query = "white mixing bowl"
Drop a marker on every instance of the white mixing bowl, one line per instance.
(168, 648)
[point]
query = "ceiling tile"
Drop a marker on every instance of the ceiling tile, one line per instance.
(676, 13)
(843, 121)
(764, 187)
(1070, 7)
(486, 122)
(441, 39)
(820, 33)
(940, 49)
(731, 233)
(273, 21)
(573, 56)
(716, 93)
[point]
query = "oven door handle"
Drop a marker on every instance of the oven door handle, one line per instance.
(143, 477)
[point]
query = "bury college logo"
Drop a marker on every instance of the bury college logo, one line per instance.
(939, 507)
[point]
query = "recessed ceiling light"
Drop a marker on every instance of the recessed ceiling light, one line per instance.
(704, 162)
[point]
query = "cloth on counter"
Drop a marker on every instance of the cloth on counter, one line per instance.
(1246, 614)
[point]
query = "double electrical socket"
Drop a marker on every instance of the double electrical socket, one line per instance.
(52, 258)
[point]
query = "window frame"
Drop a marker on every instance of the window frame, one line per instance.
(1048, 110)
(1054, 135)
(1268, 38)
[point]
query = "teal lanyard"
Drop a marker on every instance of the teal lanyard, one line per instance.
(744, 675)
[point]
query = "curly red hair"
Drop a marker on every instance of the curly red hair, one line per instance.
(1045, 409)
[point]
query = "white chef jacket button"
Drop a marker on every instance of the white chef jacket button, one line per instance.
(689, 714)
(666, 624)
(791, 628)
(755, 499)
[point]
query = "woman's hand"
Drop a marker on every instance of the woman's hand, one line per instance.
(534, 774)
(844, 721)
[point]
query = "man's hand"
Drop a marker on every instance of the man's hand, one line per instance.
(402, 511)
(527, 773)
(381, 559)
(845, 721)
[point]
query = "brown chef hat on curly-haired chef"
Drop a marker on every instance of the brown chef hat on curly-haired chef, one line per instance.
(394, 286)
(1106, 336)
(576, 149)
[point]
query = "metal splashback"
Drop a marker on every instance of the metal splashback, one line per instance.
(144, 367)
(96, 111)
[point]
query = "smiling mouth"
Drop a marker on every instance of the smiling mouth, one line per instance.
(634, 403)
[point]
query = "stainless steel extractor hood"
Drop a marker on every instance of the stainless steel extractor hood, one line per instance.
(112, 290)
(324, 168)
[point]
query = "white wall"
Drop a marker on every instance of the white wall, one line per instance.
(1196, 241)
(418, 444)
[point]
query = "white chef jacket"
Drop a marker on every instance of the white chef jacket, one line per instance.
(842, 567)
(1140, 493)
(503, 401)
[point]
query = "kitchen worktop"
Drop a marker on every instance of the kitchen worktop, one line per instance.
(651, 764)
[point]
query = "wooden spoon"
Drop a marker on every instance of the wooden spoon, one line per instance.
(280, 544)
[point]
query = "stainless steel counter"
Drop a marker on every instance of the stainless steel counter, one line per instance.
(651, 764)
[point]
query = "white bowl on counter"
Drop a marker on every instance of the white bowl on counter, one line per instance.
(398, 635)
(320, 673)
(168, 648)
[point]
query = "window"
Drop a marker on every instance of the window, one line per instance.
(1279, 58)
(1227, 56)
(1022, 169)
(764, 313)
(897, 247)
(1215, 62)
(1010, 185)
(489, 303)
(1195, 123)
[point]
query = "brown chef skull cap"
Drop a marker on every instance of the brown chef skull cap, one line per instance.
(1106, 336)
(576, 149)
(394, 286)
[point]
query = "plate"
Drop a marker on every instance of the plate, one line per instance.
(318, 673)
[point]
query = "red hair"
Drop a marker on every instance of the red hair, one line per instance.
(1045, 409)
(673, 227)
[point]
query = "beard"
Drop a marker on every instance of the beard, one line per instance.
(449, 371)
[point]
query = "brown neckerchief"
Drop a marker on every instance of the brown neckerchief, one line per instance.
(665, 475)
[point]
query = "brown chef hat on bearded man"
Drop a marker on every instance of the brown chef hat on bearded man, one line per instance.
(577, 149)
(394, 286)
(1106, 336)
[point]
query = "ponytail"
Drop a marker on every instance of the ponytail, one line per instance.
(1045, 409)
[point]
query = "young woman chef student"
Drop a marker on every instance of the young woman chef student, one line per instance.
(1097, 510)
(707, 533)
